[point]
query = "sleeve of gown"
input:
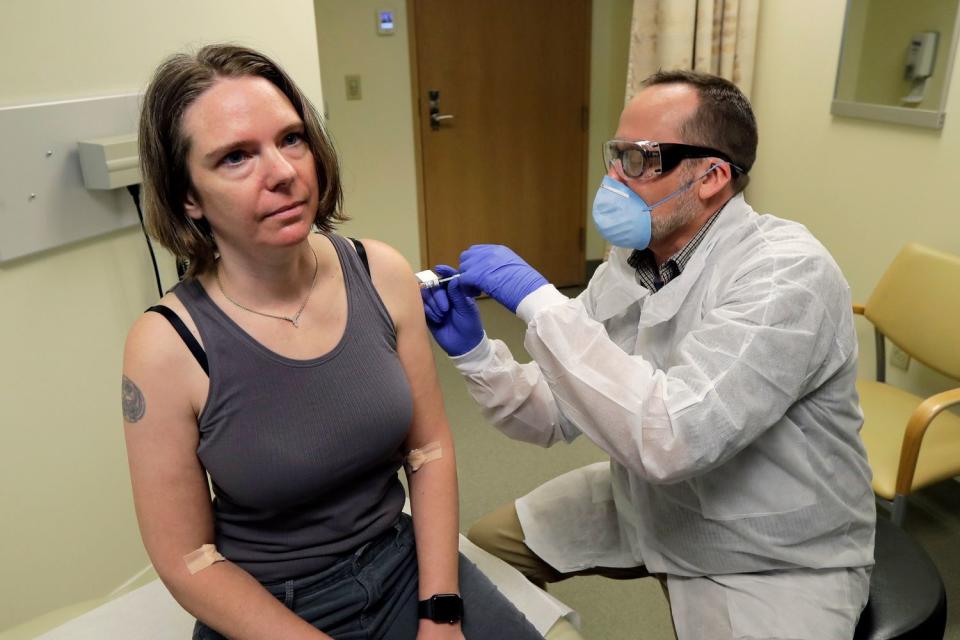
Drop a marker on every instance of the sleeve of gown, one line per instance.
(513, 397)
(733, 376)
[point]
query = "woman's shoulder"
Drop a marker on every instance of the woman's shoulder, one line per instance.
(157, 359)
(153, 340)
(385, 255)
(388, 267)
(393, 278)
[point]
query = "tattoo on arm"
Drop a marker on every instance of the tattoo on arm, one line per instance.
(134, 406)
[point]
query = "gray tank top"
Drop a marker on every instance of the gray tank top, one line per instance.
(303, 454)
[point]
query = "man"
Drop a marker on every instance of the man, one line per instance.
(713, 357)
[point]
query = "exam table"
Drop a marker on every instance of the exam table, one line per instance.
(145, 610)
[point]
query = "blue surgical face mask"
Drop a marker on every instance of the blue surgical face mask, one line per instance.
(623, 217)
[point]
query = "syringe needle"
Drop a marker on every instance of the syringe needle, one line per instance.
(449, 278)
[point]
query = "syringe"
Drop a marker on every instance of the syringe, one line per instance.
(429, 279)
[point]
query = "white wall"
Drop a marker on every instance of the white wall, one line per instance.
(864, 188)
(68, 531)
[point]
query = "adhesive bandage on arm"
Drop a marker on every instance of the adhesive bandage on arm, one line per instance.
(419, 457)
(202, 558)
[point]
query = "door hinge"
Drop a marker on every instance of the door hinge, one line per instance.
(585, 118)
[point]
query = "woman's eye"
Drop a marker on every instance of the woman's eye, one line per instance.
(233, 158)
(293, 138)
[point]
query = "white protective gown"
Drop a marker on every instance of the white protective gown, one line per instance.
(726, 402)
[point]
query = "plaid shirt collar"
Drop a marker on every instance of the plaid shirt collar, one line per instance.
(654, 278)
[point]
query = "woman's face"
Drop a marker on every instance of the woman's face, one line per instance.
(251, 167)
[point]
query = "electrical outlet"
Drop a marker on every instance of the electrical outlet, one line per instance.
(353, 87)
(899, 358)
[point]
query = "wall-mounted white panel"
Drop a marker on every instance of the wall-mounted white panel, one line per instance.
(43, 203)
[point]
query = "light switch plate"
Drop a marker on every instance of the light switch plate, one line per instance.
(354, 91)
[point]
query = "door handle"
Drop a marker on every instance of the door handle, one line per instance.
(435, 116)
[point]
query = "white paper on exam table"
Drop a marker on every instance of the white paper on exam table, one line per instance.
(151, 613)
(147, 613)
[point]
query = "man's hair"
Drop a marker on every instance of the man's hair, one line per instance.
(176, 84)
(723, 120)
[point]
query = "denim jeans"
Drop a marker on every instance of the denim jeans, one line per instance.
(371, 594)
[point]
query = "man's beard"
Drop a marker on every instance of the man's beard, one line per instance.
(684, 212)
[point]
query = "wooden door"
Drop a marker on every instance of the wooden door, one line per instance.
(509, 166)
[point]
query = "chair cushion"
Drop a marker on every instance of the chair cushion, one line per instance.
(907, 598)
(886, 410)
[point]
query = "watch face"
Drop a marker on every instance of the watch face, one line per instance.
(448, 608)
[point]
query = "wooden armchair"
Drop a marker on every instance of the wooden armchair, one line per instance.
(916, 305)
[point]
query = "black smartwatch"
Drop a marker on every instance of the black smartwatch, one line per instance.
(442, 607)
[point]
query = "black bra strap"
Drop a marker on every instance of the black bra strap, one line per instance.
(362, 253)
(185, 335)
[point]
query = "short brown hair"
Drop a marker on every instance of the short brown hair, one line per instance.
(176, 84)
(724, 119)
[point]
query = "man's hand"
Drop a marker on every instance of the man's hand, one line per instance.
(500, 272)
(452, 314)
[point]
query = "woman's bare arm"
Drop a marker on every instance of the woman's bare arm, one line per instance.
(171, 495)
(433, 488)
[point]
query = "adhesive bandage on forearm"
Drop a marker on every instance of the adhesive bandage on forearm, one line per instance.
(202, 558)
(419, 457)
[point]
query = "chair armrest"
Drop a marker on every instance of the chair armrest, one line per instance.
(921, 418)
(858, 309)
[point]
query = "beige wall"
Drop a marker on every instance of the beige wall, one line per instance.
(864, 188)
(854, 30)
(889, 26)
(374, 135)
(609, 52)
(68, 531)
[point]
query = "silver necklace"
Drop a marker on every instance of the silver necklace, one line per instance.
(295, 318)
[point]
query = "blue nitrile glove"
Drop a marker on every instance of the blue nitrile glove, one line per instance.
(500, 272)
(452, 314)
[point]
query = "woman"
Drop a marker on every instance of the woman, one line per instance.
(300, 378)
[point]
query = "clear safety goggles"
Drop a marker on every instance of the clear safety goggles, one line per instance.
(645, 159)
